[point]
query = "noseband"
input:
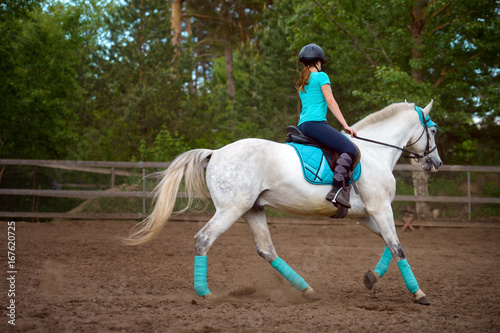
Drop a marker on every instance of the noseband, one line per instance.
(426, 123)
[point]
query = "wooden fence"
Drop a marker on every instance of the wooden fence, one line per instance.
(116, 169)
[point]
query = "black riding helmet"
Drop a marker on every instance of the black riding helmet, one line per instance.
(311, 53)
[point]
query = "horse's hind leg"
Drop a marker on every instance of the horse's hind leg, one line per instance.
(205, 238)
(256, 220)
(371, 277)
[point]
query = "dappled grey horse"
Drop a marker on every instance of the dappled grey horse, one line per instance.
(245, 176)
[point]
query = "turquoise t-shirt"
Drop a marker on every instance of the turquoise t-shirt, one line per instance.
(314, 107)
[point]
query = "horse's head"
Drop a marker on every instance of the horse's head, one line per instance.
(423, 142)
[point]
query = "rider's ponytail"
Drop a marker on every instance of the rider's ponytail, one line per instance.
(304, 79)
(309, 55)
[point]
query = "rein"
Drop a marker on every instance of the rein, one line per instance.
(406, 152)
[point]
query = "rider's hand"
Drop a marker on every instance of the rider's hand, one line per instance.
(350, 131)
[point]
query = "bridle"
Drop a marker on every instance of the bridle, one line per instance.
(426, 123)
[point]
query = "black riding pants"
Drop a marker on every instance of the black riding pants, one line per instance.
(329, 136)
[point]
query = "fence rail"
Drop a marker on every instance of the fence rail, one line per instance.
(112, 169)
(140, 194)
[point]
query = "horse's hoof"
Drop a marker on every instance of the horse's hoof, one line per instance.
(310, 295)
(423, 301)
(370, 278)
(208, 296)
(420, 298)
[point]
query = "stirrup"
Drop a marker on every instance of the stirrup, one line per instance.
(338, 196)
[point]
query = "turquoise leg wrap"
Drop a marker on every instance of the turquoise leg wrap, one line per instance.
(295, 279)
(384, 262)
(408, 277)
(200, 276)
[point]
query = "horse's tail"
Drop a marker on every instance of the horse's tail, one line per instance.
(188, 165)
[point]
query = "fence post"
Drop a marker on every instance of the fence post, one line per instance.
(34, 188)
(143, 190)
(112, 177)
(468, 193)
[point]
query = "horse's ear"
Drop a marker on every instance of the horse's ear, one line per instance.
(428, 108)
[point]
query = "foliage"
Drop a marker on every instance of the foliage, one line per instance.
(165, 148)
(448, 60)
(88, 76)
(40, 54)
(104, 80)
(130, 88)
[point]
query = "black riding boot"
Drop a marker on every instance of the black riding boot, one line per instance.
(339, 194)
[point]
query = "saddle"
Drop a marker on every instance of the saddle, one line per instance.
(294, 135)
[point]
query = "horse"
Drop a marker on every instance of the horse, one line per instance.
(245, 176)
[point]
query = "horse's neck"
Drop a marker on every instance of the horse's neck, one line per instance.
(396, 131)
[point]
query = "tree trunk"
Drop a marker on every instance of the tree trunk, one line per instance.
(417, 73)
(228, 47)
(228, 55)
(420, 188)
(142, 83)
(416, 27)
(176, 21)
(242, 24)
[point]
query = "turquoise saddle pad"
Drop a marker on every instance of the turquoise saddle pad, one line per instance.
(315, 167)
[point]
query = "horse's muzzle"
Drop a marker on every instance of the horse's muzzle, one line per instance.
(432, 165)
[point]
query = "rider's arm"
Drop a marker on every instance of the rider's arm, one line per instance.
(334, 108)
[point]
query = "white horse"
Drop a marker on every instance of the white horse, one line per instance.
(245, 176)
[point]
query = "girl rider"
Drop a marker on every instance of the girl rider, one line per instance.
(316, 96)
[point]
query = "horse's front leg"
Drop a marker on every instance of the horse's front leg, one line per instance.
(385, 222)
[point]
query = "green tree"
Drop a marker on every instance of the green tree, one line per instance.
(222, 25)
(132, 90)
(90, 76)
(265, 75)
(414, 50)
(41, 50)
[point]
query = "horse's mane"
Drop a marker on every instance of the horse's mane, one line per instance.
(375, 117)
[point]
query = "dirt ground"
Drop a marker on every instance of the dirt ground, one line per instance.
(77, 277)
